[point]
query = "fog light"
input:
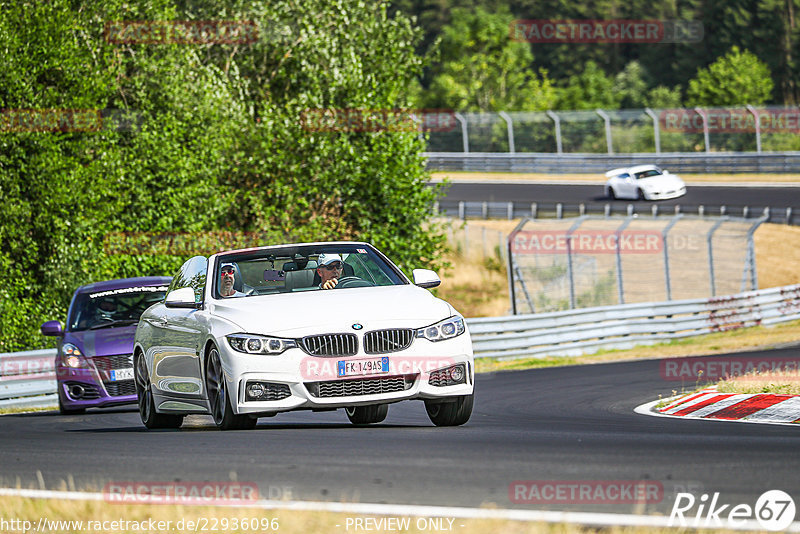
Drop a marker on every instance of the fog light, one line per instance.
(255, 391)
(457, 373)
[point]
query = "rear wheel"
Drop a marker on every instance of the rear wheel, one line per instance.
(367, 415)
(611, 194)
(217, 390)
(450, 413)
(144, 398)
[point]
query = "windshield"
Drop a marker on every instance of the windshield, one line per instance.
(301, 268)
(648, 173)
(115, 307)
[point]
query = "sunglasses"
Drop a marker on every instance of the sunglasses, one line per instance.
(334, 265)
(227, 272)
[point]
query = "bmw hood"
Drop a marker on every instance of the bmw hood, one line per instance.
(336, 310)
(103, 341)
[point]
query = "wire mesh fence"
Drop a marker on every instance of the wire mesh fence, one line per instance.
(628, 131)
(561, 264)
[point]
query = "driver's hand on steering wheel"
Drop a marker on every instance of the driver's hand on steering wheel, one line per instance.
(330, 284)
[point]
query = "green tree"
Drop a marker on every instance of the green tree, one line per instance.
(736, 79)
(483, 69)
(591, 89)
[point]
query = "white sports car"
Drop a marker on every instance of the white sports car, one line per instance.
(250, 333)
(643, 182)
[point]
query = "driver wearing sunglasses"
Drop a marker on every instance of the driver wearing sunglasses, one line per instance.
(330, 267)
(227, 278)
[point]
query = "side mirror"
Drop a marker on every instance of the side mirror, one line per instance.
(665, 171)
(425, 278)
(52, 328)
(181, 298)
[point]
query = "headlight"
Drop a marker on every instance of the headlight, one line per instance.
(253, 344)
(451, 327)
(71, 356)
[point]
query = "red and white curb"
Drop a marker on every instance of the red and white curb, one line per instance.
(710, 404)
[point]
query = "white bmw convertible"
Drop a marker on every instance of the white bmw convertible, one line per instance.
(643, 182)
(320, 326)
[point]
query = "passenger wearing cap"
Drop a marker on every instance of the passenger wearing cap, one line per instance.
(329, 269)
(227, 279)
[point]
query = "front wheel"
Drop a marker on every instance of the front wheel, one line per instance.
(367, 415)
(144, 398)
(217, 390)
(451, 413)
(640, 195)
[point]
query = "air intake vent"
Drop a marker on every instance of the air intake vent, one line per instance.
(369, 386)
(384, 341)
(330, 345)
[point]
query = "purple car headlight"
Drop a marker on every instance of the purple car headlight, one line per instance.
(71, 357)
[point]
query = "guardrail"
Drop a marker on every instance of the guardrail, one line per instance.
(559, 210)
(677, 162)
(583, 331)
(27, 379)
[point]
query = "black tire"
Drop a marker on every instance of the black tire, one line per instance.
(452, 413)
(217, 391)
(367, 415)
(144, 398)
(611, 194)
(640, 195)
(69, 411)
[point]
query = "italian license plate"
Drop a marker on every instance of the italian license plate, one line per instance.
(121, 374)
(368, 366)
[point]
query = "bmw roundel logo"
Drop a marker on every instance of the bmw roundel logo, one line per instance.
(358, 326)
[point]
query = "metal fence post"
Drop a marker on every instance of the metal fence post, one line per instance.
(656, 128)
(703, 116)
(665, 245)
(510, 127)
(464, 134)
(557, 121)
(607, 121)
(617, 232)
(754, 112)
(710, 238)
(570, 273)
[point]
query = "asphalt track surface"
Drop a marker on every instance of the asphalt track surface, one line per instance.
(696, 195)
(553, 424)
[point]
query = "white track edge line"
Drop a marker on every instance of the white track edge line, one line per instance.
(583, 518)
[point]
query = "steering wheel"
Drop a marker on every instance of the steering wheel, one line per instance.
(352, 281)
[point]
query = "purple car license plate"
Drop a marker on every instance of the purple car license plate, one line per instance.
(367, 366)
(121, 374)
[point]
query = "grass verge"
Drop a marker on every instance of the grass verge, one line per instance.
(131, 518)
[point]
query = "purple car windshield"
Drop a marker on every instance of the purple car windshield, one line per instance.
(111, 308)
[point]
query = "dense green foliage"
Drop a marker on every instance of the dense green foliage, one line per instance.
(217, 143)
(581, 73)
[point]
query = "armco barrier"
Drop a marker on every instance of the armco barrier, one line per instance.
(27, 379)
(583, 331)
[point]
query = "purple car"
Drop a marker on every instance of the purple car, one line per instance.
(94, 363)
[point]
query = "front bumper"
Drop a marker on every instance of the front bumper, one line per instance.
(85, 388)
(297, 381)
